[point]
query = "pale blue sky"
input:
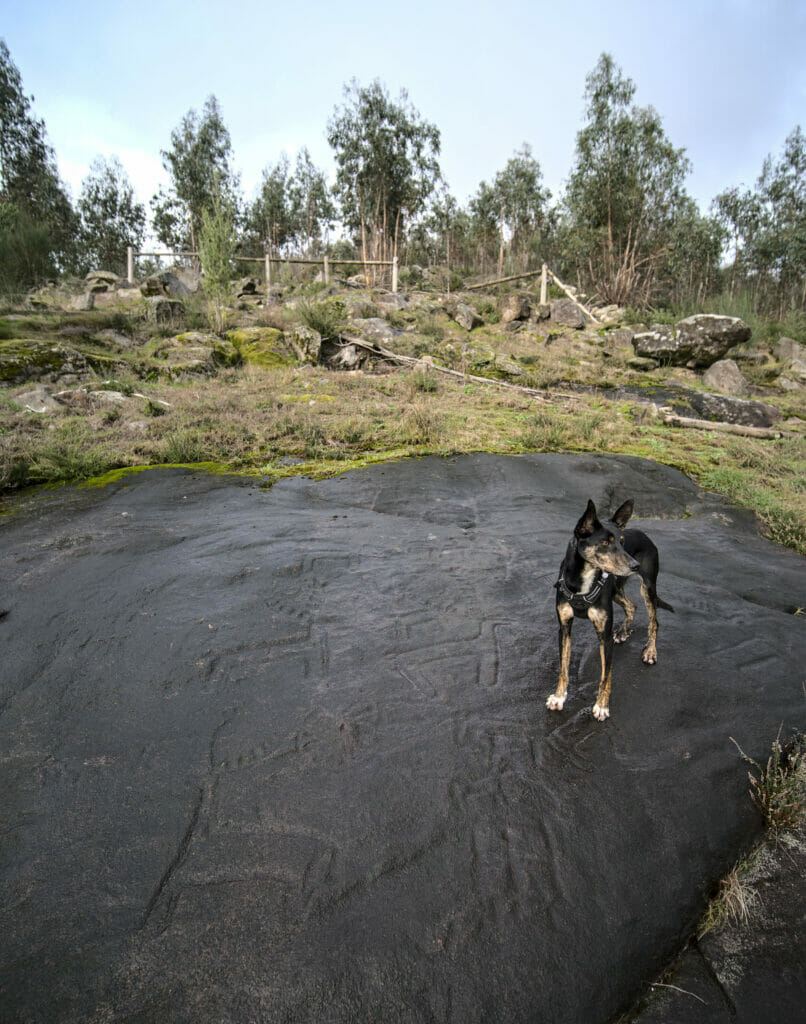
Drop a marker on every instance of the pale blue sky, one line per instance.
(727, 76)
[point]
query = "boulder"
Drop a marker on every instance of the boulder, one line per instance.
(797, 370)
(102, 281)
(697, 341)
(82, 303)
(376, 329)
(726, 377)
(709, 336)
(189, 278)
(306, 343)
(787, 349)
(463, 313)
(343, 357)
(168, 283)
(262, 346)
(163, 310)
(515, 306)
(727, 409)
(566, 313)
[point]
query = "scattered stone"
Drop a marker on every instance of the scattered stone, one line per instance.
(463, 314)
(542, 312)
(787, 385)
(338, 356)
(38, 399)
(82, 303)
(306, 343)
(787, 349)
(102, 277)
(748, 355)
(726, 409)
(618, 340)
(797, 369)
(163, 310)
(725, 376)
(567, 314)
(393, 300)
(167, 284)
(246, 286)
(376, 329)
(642, 363)
(116, 398)
(515, 306)
(114, 339)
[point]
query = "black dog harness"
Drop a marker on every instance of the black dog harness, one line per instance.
(579, 602)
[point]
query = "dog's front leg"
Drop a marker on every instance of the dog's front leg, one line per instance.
(565, 613)
(603, 624)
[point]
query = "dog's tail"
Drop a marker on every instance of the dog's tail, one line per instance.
(662, 604)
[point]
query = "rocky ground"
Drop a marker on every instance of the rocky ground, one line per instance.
(303, 372)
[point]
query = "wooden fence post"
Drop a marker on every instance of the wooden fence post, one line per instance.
(327, 270)
(544, 285)
(268, 271)
(130, 264)
(394, 275)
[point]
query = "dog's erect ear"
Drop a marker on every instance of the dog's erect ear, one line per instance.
(622, 515)
(588, 523)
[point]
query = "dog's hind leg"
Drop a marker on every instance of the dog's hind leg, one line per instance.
(625, 629)
(650, 655)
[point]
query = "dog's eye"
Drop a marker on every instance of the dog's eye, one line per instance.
(605, 543)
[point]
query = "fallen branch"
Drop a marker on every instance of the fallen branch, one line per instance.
(395, 357)
(572, 297)
(727, 428)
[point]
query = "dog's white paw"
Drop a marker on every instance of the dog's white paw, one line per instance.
(600, 713)
(621, 635)
(555, 703)
(650, 656)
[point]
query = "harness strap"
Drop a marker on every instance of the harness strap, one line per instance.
(577, 600)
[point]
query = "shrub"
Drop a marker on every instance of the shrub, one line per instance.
(325, 317)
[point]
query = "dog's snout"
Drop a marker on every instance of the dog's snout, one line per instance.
(634, 566)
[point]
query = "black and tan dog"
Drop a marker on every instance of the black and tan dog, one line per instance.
(600, 557)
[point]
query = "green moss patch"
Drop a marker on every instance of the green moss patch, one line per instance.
(262, 346)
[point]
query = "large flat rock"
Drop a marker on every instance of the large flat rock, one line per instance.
(284, 755)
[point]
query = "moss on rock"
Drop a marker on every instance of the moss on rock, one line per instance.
(262, 346)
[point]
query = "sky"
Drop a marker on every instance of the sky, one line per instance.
(728, 78)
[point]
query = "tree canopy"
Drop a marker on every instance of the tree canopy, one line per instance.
(387, 164)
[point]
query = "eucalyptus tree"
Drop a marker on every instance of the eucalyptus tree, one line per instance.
(387, 165)
(625, 190)
(36, 210)
(269, 217)
(312, 208)
(767, 230)
(486, 230)
(523, 204)
(200, 154)
(110, 217)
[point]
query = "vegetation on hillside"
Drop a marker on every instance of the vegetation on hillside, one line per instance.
(625, 230)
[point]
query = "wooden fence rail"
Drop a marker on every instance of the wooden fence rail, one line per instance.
(326, 262)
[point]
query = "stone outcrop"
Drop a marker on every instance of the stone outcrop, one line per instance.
(696, 342)
(163, 310)
(24, 360)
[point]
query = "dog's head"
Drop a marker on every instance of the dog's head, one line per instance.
(602, 543)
